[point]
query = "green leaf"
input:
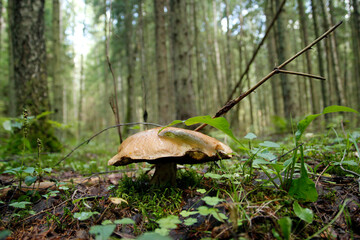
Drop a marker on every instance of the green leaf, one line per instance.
(162, 231)
(185, 213)
(43, 114)
(303, 124)
(102, 232)
(269, 144)
(203, 210)
(169, 222)
(19, 204)
(152, 236)
(30, 180)
(190, 221)
(213, 175)
(170, 124)
(259, 161)
(219, 123)
(250, 136)
(348, 162)
(285, 225)
(29, 170)
(305, 214)
(201, 190)
(212, 201)
(125, 221)
(336, 108)
(304, 189)
(48, 170)
(84, 215)
(107, 222)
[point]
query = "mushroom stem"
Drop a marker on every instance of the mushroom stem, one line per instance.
(165, 174)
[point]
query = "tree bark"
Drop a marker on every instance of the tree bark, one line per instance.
(29, 52)
(57, 83)
(319, 55)
(183, 82)
(228, 58)
(304, 35)
(286, 83)
(164, 89)
(12, 94)
(355, 31)
(341, 100)
(129, 115)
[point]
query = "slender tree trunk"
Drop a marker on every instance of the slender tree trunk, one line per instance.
(183, 82)
(304, 35)
(1, 8)
(12, 93)
(129, 115)
(218, 70)
(81, 93)
(143, 67)
(355, 32)
(319, 55)
(286, 83)
(271, 59)
(228, 58)
(164, 91)
(341, 100)
(57, 82)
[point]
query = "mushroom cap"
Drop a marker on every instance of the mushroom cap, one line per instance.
(170, 145)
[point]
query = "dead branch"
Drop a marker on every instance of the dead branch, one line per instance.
(257, 50)
(235, 101)
(301, 74)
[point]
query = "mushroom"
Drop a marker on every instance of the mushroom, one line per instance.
(167, 148)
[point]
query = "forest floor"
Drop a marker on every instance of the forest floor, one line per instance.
(232, 200)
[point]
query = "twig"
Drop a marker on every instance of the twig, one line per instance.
(346, 170)
(116, 107)
(95, 135)
(287, 153)
(322, 172)
(331, 222)
(301, 74)
(233, 102)
(257, 50)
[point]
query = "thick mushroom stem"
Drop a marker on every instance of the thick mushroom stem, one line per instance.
(165, 174)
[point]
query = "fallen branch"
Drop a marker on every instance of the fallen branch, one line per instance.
(230, 104)
(301, 74)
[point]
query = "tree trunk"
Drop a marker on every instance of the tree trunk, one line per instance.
(304, 35)
(12, 94)
(341, 100)
(271, 46)
(287, 85)
(164, 90)
(355, 32)
(129, 115)
(218, 70)
(81, 93)
(29, 64)
(183, 82)
(143, 67)
(319, 55)
(228, 59)
(57, 83)
(29, 56)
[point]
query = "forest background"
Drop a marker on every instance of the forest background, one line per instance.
(174, 60)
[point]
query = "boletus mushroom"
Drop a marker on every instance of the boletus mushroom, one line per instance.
(167, 148)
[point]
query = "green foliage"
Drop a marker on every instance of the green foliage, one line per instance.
(285, 226)
(102, 232)
(84, 215)
(305, 214)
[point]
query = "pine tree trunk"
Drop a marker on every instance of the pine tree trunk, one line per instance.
(319, 55)
(183, 82)
(29, 68)
(12, 94)
(130, 65)
(271, 60)
(143, 67)
(164, 90)
(228, 59)
(341, 100)
(57, 83)
(29, 54)
(218, 70)
(304, 34)
(287, 84)
(355, 32)
(81, 93)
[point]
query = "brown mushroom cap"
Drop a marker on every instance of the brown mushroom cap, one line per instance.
(171, 144)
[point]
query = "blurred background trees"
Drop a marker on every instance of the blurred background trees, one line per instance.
(175, 59)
